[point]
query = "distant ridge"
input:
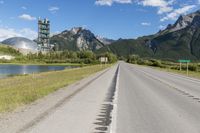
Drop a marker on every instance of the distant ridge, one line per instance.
(177, 41)
(78, 39)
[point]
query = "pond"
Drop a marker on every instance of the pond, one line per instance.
(12, 70)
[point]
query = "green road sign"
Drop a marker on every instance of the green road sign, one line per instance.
(184, 61)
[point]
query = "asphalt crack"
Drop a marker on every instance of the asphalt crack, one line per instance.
(105, 117)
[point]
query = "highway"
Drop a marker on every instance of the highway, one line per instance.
(125, 98)
(151, 101)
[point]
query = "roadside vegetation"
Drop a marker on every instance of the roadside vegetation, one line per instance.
(9, 50)
(54, 57)
(169, 66)
(21, 90)
(24, 89)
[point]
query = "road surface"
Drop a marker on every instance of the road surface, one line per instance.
(151, 101)
(122, 99)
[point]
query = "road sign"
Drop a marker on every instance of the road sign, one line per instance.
(103, 59)
(184, 61)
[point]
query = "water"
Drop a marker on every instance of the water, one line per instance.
(12, 70)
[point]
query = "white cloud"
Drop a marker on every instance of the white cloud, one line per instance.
(176, 13)
(154, 3)
(6, 33)
(29, 33)
(145, 24)
(27, 17)
(1, 2)
(110, 2)
(24, 7)
(165, 9)
(53, 9)
(163, 6)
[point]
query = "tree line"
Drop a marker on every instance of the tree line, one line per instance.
(86, 57)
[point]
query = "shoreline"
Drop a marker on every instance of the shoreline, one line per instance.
(46, 64)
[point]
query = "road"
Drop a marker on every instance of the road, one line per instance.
(151, 101)
(125, 98)
(78, 108)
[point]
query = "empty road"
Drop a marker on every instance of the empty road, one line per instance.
(151, 101)
(125, 98)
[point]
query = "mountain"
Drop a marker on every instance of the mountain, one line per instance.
(178, 41)
(76, 39)
(105, 41)
(183, 22)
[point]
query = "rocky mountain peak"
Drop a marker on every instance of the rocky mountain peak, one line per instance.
(78, 38)
(104, 40)
(75, 30)
(192, 20)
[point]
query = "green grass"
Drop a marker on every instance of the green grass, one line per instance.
(183, 72)
(9, 50)
(21, 90)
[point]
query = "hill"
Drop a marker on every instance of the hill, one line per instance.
(178, 41)
(6, 50)
(76, 39)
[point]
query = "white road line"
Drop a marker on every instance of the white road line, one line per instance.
(113, 126)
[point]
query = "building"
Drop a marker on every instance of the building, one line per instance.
(24, 45)
(44, 35)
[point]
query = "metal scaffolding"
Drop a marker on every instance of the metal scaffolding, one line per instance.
(44, 34)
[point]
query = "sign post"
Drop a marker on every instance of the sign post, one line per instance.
(103, 60)
(184, 61)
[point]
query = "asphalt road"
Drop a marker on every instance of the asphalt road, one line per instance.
(151, 101)
(123, 99)
(80, 113)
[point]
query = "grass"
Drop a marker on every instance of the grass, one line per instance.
(8, 50)
(183, 72)
(173, 67)
(21, 90)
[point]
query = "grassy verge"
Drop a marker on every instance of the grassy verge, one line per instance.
(21, 90)
(183, 72)
(174, 67)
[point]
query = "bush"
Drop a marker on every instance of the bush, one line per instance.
(133, 59)
(142, 62)
(193, 67)
(156, 63)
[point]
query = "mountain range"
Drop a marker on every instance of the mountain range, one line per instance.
(180, 40)
(78, 39)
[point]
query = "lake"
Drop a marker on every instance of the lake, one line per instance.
(11, 70)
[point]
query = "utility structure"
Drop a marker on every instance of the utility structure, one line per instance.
(44, 35)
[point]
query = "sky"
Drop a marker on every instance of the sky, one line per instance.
(112, 19)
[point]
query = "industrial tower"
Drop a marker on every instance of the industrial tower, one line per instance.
(44, 34)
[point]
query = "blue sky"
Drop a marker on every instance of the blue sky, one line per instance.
(107, 18)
